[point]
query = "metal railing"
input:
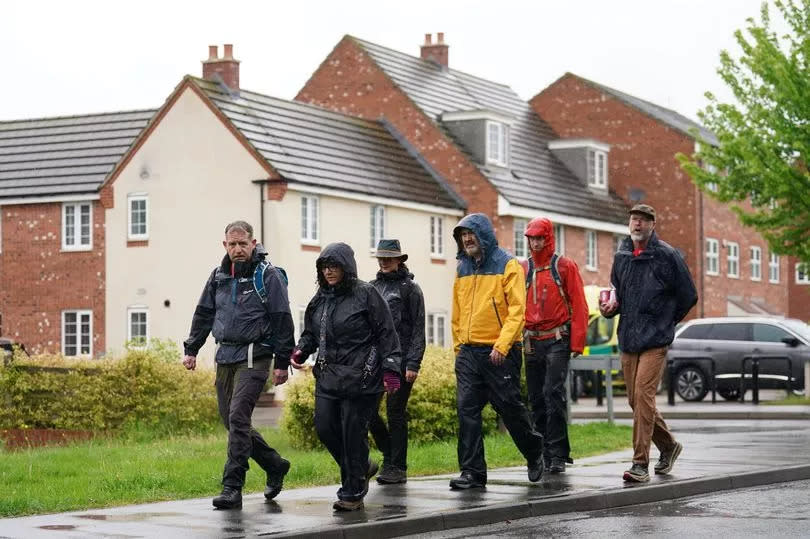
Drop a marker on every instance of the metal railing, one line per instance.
(606, 364)
(672, 370)
(755, 359)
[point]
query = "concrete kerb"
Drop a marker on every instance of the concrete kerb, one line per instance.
(588, 501)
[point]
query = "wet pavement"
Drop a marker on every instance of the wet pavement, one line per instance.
(718, 455)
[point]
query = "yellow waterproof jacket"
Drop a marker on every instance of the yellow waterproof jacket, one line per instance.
(489, 298)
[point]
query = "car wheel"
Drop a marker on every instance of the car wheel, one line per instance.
(691, 384)
(730, 393)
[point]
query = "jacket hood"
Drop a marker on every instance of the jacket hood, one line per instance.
(483, 230)
(540, 226)
(340, 253)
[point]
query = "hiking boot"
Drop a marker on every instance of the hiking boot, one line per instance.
(391, 475)
(345, 505)
(637, 474)
(275, 479)
(667, 459)
(557, 465)
(536, 469)
(230, 498)
(466, 480)
(371, 472)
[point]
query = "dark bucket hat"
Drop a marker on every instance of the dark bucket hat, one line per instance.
(390, 249)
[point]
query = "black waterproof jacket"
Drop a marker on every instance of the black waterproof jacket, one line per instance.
(655, 291)
(351, 329)
(230, 308)
(407, 304)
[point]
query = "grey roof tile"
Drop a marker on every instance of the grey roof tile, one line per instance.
(69, 155)
(542, 181)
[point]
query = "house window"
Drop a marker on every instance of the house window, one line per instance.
(773, 268)
(756, 264)
(302, 321)
(802, 273)
(435, 329)
(436, 236)
(496, 143)
(591, 262)
(138, 227)
(77, 331)
(377, 225)
(597, 169)
(76, 229)
(733, 260)
(559, 240)
(138, 326)
(521, 242)
(712, 257)
(309, 219)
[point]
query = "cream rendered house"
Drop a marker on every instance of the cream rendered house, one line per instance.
(303, 176)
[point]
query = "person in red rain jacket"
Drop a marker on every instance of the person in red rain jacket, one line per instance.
(556, 322)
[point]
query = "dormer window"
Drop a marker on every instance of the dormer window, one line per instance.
(597, 169)
(496, 143)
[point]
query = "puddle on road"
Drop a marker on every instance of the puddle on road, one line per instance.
(57, 527)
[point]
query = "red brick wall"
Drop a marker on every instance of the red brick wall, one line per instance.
(798, 295)
(348, 81)
(38, 280)
(642, 156)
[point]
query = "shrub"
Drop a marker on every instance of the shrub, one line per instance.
(431, 407)
(140, 390)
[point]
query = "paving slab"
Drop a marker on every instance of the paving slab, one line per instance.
(718, 455)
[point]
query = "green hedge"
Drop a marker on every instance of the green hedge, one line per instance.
(143, 389)
(432, 405)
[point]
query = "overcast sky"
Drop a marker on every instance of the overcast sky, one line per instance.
(75, 57)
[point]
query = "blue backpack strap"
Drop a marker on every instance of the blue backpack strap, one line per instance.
(258, 280)
(529, 273)
(555, 274)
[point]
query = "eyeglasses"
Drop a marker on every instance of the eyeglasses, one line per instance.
(330, 266)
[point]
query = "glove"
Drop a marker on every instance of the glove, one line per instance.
(295, 359)
(390, 381)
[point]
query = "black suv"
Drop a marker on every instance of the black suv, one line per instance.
(728, 340)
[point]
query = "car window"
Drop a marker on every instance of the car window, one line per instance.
(600, 330)
(799, 327)
(697, 331)
(730, 332)
(769, 333)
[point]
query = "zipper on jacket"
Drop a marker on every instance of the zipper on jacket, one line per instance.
(233, 290)
(543, 300)
(498, 316)
(472, 306)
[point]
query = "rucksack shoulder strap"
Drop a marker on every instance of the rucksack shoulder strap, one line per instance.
(530, 273)
(555, 274)
(258, 280)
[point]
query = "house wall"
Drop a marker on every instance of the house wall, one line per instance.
(38, 280)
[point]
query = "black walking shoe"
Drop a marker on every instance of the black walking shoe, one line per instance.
(667, 459)
(275, 479)
(345, 505)
(637, 474)
(230, 498)
(536, 469)
(371, 472)
(465, 481)
(391, 475)
(557, 465)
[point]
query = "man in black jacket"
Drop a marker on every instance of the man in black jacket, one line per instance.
(654, 291)
(404, 298)
(245, 305)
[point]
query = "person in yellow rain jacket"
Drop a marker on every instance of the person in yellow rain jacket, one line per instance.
(489, 303)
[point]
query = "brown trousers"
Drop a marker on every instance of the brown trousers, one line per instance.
(642, 374)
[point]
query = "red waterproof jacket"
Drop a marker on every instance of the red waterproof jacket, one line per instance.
(545, 307)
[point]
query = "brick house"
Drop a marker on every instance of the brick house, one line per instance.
(734, 270)
(489, 144)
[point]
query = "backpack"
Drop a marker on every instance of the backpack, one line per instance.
(258, 279)
(555, 274)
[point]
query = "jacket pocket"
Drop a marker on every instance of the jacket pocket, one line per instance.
(497, 314)
(340, 380)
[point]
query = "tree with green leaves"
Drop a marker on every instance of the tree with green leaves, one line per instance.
(759, 162)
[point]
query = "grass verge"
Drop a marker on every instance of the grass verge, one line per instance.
(792, 400)
(103, 473)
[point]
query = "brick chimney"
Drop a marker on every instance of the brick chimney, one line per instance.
(435, 52)
(226, 67)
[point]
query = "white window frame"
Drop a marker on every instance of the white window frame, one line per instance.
(521, 247)
(299, 326)
(733, 260)
(436, 236)
(79, 313)
(310, 220)
(433, 335)
(559, 239)
(137, 197)
(802, 277)
(377, 225)
(591, 250)
(756, 262)
(497, 143)
(77, 226)
(597, 169)
(138, 310)
(617, 242)
(773, 268)
(712, 254)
